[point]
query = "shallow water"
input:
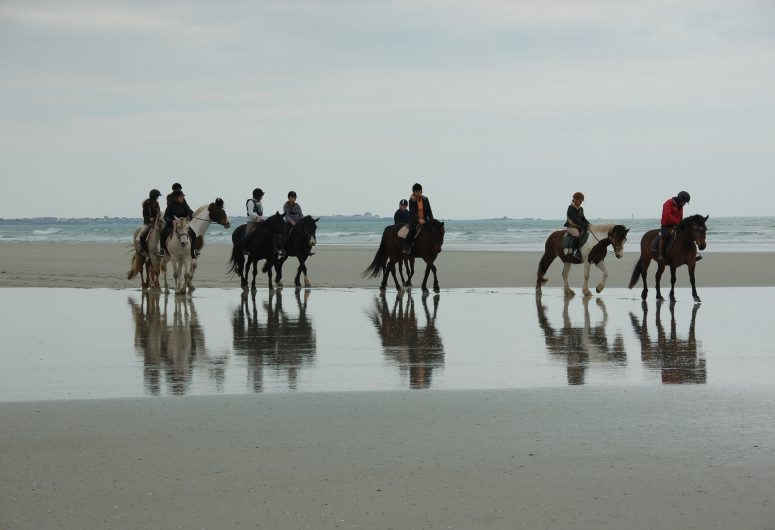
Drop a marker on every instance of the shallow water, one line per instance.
(71, 343)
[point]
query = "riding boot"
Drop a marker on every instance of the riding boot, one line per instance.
(661, 250)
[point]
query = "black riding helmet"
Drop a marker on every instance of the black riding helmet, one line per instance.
(153, 194)
(176, 187)
(683, 196)
(258, 193)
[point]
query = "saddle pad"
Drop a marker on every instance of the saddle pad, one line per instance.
(668, 242)
(403, 231)
(567, 240)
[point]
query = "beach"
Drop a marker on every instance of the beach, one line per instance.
(339, 407)
(85, 265)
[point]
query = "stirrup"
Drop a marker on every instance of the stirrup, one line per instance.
(408, 250)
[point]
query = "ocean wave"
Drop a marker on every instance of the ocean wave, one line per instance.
(46, 232)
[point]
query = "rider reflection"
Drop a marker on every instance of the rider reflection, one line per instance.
(579, 346)
(284, 344)
(169, 349)
(417, 351)
(677, 360)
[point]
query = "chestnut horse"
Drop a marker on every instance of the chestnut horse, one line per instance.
(689, 234)
(427, 246)
(593, 252)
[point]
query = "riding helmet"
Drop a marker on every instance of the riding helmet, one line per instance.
(683, 196)
(403, 202)
(176, 187)
(154, 194)
(258, 193)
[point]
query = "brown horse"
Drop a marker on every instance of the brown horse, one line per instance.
(689, 234)
(427, 246)
(593, 252)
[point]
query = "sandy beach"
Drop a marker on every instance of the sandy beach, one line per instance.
(335, 407)
(105, 266)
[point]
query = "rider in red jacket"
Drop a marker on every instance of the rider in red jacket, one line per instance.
(672, 214)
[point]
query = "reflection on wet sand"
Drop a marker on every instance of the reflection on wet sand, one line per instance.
(282, 343)
(170, 349)
(581, 345)
(677, 360)
(417, 351)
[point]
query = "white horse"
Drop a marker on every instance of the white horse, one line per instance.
(200, 222)
(593, 252)
(146, 264)
(179, 253)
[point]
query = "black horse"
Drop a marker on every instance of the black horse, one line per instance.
(300, 242)
(689, 234)
(427, 246)
(266, 242)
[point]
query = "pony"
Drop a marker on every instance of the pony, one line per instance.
(593, 252)
(200, 222)
(301, 239)
(179, 253)
(689, 234)
(427, 245)
(266, 242)
(147, 263)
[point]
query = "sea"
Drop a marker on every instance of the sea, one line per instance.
(730, 234)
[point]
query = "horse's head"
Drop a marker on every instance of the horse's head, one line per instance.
(217, 214)
(180, 228)
(279, 230)
(618, 236)
(437, 235)
(695, 224)
(309, 227)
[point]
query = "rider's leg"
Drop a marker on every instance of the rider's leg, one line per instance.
(410, 238)
(165, 233)
(143, 237)
(663, 232)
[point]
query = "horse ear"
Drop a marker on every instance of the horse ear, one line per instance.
(706, 218)
(316, 220)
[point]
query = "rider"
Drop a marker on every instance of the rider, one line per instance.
(419, 213)
(151, 212)
(576, 223)
(255, 212)
(402, 214)
(178, 208)
(292, 210)
(672, 214)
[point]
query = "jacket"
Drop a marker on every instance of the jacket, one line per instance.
(672, 214)
(151, 210)
(177, 210)
(576, 218)
(401, 216)
(255, 211)
(413, 209)
(292, 213)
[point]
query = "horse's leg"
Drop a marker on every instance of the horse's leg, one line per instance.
(645, 261)
(297, 279)
(694, 287)
(600, 286)
(436, 288)
(672, 283)
(585, 286)
(543, 266)
(278, 269)
(255, 271)
(269, 273)
(565, 286)
(304, 271)
(190, 274)
(392, 267)
(658, 278)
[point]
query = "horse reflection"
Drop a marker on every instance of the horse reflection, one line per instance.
(169, 349)
(677, 360)
(581, 345)
(283, 344)
(417, 351)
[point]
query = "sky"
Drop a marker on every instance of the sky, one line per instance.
(498, 108)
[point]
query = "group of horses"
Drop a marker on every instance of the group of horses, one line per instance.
(274, 241)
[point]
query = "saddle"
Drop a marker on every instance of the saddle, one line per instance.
(567, 240)
(404, 231)
(668, 242)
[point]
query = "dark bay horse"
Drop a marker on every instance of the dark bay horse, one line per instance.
(267, 242)
(689, 234)
(427, 246)
(593, 252)
(300, 242)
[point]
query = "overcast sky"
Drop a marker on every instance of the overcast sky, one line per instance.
(496, 108)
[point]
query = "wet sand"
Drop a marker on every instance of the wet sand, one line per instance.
(332, 408)
(105, 265)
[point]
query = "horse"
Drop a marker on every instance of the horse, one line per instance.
(179, 253)
(689, 234)
(300, 242)
(427, 245)
(593, 252)
(266, 242)
(146, 263)
(200, 222)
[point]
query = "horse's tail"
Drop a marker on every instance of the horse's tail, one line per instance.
(135, 266)
(236, 261)
(636, 272)
(375, 268)
(543, 266)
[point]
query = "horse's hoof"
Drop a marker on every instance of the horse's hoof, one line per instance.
(307, 283)
(436, 289)
(278, 284)
(599, 289)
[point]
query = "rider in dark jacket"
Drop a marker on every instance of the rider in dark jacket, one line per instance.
(178, 208)
(576, 223)
(419, 213)
(402, 215)
(151, 212)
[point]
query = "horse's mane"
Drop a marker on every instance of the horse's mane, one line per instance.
(696, 218)
(601, 228)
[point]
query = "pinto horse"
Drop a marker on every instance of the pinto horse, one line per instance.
(267, 242)
(593, 252)
(689, 234)
(427, 246)
(300, 242)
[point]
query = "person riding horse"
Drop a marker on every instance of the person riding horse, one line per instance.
(419, 213)
(292, 210)
(178, 208)
(255, 212)
(672, 214)
(402, 215)
(151, 212)
(576, 223)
